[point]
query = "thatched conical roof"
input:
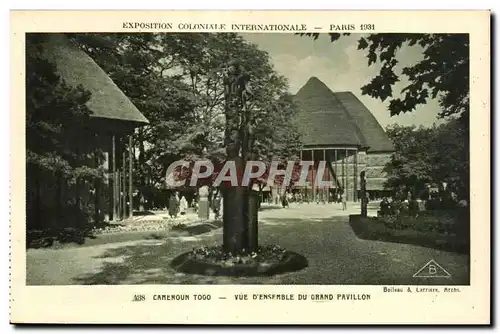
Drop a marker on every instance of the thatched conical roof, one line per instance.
(77, 68)
(326, 118)
(373, 134)
(321, 118)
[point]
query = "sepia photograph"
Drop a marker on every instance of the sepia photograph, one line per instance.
(283, 158)
(267, 167)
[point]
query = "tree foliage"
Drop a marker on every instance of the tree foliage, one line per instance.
(438, 154)
(429, 156)
(442, 74)
(177, 81)
(57, 119)
(138, 64)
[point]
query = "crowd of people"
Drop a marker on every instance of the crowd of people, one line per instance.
(406, 203)
(300, 198)
(400, 202)
(178, 205)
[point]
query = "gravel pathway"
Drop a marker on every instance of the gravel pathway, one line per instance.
(320, 233)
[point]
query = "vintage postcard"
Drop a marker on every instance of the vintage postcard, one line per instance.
(250, 167)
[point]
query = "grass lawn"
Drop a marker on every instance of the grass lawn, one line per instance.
(334, 253)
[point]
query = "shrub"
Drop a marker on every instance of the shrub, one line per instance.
(441, 222)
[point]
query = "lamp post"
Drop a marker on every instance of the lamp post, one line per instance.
(364, 201)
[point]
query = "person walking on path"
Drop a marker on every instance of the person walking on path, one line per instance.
(173, 205)
(195, 205)
(344, 202)
(183, 205)
(284, 201)
(216, 206)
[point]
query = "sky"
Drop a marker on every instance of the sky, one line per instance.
(342, 68)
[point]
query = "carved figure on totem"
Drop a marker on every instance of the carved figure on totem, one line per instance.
(237, 82)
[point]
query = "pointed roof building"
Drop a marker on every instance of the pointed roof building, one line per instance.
(326, 118)
(77, 68)
(114, 119)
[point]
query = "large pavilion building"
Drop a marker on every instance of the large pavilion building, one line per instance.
(338, 128)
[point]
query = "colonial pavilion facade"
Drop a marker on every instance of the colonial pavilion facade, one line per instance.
(339, 129)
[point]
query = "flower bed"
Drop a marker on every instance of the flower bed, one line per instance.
(145, 225)
(153, 225)
(213, 261)
(109, 232)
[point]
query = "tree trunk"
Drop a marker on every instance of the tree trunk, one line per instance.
(253, 221)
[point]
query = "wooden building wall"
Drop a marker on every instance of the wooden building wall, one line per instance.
(375, 175)
(347, 165)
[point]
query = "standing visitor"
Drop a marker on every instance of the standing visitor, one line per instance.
(195, 205)
(284, 201)
(183, 205)
(173, 205)
(454, 198)
(384, 207)
(216, 206)
(344, 202)
(405, 205)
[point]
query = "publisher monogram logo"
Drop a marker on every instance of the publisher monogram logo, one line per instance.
(432, 269)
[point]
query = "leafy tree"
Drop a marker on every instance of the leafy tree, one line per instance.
(443, 73)
(411, 165)
(452, 164)
(218, 66)
(278, 139)
(176, 80)
(140, 65)
(276, 134)
(429, 155)
(179, 81)
(204, 59)
(56, 120)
